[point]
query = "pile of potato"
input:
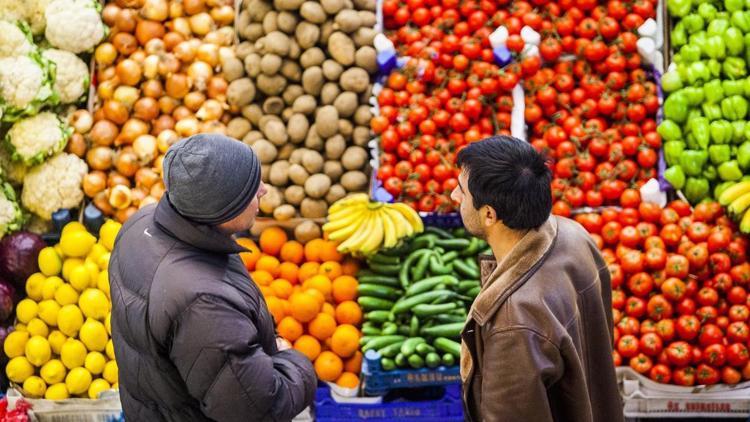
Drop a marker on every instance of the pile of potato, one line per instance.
(300, 77)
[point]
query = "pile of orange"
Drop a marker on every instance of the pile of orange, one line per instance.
(311, 291)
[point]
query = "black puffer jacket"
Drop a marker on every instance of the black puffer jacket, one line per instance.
(193, 337)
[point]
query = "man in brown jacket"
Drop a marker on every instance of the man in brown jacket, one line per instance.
(538, 343)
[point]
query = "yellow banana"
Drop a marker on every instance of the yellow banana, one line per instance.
(349, 230)
(745, 224)
(375, 238)
(345, 210)
(344, 218)
(739, 205)
(354, 242)
(403, 227)
(733, 192)
(390, 239)
(354, 198)
(411, 216)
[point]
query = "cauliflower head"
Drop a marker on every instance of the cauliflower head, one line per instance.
(15, 39)
(12, 171)
(26, 85)
(54, 185)
(74, 25)
(14, 10)
(35, 15)
(34, 139)
(71, 75)
(11, 216)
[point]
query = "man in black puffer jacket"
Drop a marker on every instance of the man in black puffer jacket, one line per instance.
(193, 337)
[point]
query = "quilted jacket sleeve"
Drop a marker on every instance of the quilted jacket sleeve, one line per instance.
(216, 351)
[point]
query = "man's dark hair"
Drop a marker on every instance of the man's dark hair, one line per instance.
(510, 176)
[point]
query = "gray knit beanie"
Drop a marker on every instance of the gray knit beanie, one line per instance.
(211, 178)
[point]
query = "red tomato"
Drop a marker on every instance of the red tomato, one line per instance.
(730, 375)
(673, 288)
(659, 307)
(740, 274)
(651, 344)
(710, 334)
(738, 332)
(720, 262)
(684, 376)
(635, 307)
(677, 266)
(671, 233)
(656, 258)
(641, 363)
(629, 325)
(707, 375)
(641, 284)
(679, 353)
(715, 355)
(632, 262)
(660, 373)
(666, 329)
(698, 257)
(739, 313)
(628, 346)
(688, 327)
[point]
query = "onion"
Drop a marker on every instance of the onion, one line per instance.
(126, 163)
(156, 10)
(138, 56)
(132, 129)
(177, 85)
(106, 89)
(105, 54)
(163, 123)
(151, 67)
(149, 200)
(208, 53)
(194, 100)
(127, 95)
(145, 177)
(211, 110)
(176, 10)
(123, 215)
(172, 39)
(101, 201)
(133, 4)
(199, 73)
(100, 158)
(94, 182)
(202, 23)
(223, 15)
(213, 126)
(125, 43)
(159, 168)
(138, 195)
(166, 139)
(145, 149)
(158, 189)
(76, 145)
(155, 46)
(185, 51)
(187, 127)
(126, 20)
(146, 108)
(168, 63)
(119, 197)
(193, 7)
(109, 14)
(107, 73)
(116, 111)
(182, 25)
(116, 179)
(148, 30)
(82, 120)
(217, 88)
(182, 112)
(217, 3)
(152, 89)
(99, 114)
(104, 133)
(167, 104)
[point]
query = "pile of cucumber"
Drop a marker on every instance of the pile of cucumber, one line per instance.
(416, 298)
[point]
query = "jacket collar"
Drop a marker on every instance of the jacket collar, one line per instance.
(197, 235)
(514, 270)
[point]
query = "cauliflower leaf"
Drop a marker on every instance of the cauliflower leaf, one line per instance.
(34, 139)
(11, 216)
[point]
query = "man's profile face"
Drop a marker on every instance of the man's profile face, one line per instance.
(245, 220)
(469, 214)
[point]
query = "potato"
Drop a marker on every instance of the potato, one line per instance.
(265, 150)
(241, 92)
(346, 104)
(271, 85)
(265, 119)
(294, 194)
(332, 6)
(312, 57)
(355, 79)
(325, 31)
(291, 93)
(265, 169)
(271, 200)
(287, 114)
(269, 22)
(238, 127)
(333, 169)
(313, 12)
(317, 185)
(287, 4)
(273, 105)
(252, 65)
(304, 104)
(243, 20)
(313, 141)
(329, 93)
(297, 154)
(270, 64)
(275, 42)
(313, 208)
(298, 174)
(347, 20)
(244, 49)
(291, 70)
(284, 213)
(279, 173)
(346, 129)
(307, 231)
(312, 161)
(368, 18)
(307, 35)
(285, 152)
(361, 136)
(251, 137)
(366, 58)
(312, 80)
(332, 70)
(297, 128)
(335, 147)
(354, 181)
(252, 32)
(275, 132)
(354, 158)
(335, 193)
(364, 97)
(368, 5)
(363, 115)
(232, 68)
(286, 22)
(253, 113)
(257, 9)
(364, 36)
(327, 121)
(341, 48)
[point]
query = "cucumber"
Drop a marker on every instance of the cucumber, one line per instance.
(448, 359)
(438, 231)
(449, 318)
(446, 330)
(385, 269)
(391, 350)
(387, 364)
(424, 310)
(453, 244)
(464, 269)
(405, 330)
(379, 280)
(384, 259)
(406, 304)
(371, 331)
(448, 346)
(409, 347)
(432, 360)
(365, 339)
(430, 283)
(378, 316)
(382, 292)
(378, 343)
(389, 328)
(473, 293)
(401, 361)
(466, 285)
(416, 361)
(414, 326)
(424, 349)
(374, 303)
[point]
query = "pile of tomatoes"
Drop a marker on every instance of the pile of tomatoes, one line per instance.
(679, 290)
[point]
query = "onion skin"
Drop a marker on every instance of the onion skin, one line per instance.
(104, 132)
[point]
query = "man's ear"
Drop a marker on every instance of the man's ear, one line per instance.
(489, 216)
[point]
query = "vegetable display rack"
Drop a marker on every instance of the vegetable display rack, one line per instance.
(378, 382)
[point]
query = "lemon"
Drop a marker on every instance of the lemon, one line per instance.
(73, 354)
(48, 310)
(21, 327)
(66, 294)
(80, 278)
(94, 304)
(108, 233)
(50, 287)
(96, 387)
(59, 251)
(93, 269)
(56, 340)
(68, 266)
(110, 372)
(116, 386)
(73, 226)
(34, 286)
(70, 320)
(104, 261)
(77, 244)
(78, 380)
(19, 369)
(34, 387)
(49, 262)
(15, 344)
(108, 323)
(95, 362)
(37, 327)
(38, 351)
(96, 252)
(110, 349)
(102, 282)
(26, 310)
(94, 335)
(53, 372)
(57, 392)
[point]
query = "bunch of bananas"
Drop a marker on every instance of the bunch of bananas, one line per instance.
(363, 227)
(736, 199)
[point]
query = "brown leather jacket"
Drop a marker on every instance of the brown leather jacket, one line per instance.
(538, 343)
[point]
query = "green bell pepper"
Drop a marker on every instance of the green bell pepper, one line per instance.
(746, 39)
(715, 47)
(719, 153)
(692, 161)
(678, 37)
(746, 87)
(679, 8)
(698, 71)
(730, 171)
(716, 26)
(682, 70)
(696, 189)
(743, 155)
(676, 107)
(669, 131)
(693, 23)
(675, 176)
(711, 111)
(733, 87)
(671, 81)
(721, 132)
(740, 20)
(700, 129)
(710, 173)
(691, 142)
(694, 95)
(714, 67)
(734, 68)
(738, 131)
(698, 39)
(696, 113)
(734, 5)
(734, 40)
(690, 53)
(672, 152)
(734, 107)
(707, 11)
(721, 187)
(713, 91)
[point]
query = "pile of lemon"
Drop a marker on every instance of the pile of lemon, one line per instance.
(61, 346)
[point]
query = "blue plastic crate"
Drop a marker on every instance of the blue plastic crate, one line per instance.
(436, 404)
(378, 382)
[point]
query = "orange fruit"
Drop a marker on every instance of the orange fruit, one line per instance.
(328, 309)
(345, 340)
(289, 328)
(354, 363)
(307, 270)
(286, 307)
(348, 380)
(320, 283)
(350, 266)
(252, 255)
(328, 366)
(308, 346)
(313, 248)
(304, 307)
(268, 263)
(322, 327)
(331, 269)
(262, 278)
(272, 240)
(293, 251)
(289, 271)
(317, 295)
(282, 288)
(267, 292)
(344, 288)
(349, 312)
(276, 307)
(329, 252)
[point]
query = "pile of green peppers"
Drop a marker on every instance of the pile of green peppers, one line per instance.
(705, 130)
